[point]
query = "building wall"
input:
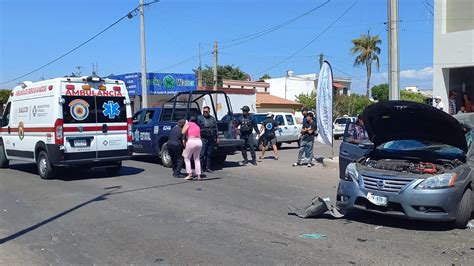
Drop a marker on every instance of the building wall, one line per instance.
(453, 43)
(296, 85)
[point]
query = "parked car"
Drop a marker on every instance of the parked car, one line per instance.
(288, 131)
(152, 126)
(340, 123)
(413, 161)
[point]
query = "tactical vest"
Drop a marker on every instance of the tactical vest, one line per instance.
(246, 125)
(209, 127)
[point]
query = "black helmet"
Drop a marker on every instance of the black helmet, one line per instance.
(245, 108)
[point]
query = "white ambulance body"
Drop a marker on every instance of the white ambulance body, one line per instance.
(67, 121)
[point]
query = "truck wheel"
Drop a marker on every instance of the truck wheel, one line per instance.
(465, 210)
(115, 169)
(165, 156)
(3, 158)
(45, 169)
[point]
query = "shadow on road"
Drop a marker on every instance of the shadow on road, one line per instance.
(111, 191)
(78, 173)
(395, 222)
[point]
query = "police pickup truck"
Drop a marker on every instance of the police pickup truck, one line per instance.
(151, 126)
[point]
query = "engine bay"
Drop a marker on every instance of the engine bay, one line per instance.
(411, 166)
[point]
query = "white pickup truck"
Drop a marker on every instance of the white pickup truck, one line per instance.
(289, 130)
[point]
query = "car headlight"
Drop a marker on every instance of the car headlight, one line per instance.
(438, 181)
(351, 172)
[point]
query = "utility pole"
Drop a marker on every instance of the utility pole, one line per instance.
(393, 55)
(200, 69)
(142, 37)
(214, 81)
(321, 60)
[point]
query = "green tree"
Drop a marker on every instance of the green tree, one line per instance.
(350, 105)
(265, 76)
(380, 92)
(366, 48)
(4, 94)
(223, 72)
(307, 99)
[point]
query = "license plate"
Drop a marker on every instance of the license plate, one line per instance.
(377, 200)
(80, 143)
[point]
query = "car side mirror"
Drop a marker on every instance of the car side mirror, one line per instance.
(366, 145)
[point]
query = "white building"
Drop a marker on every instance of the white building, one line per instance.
(453, 62)
(292, 85)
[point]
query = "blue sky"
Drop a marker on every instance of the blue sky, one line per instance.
(35, 32)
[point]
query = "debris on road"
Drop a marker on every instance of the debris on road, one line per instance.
(378, 227)
(318, 207)
(470, 224)
(361, 239)
(314, 236)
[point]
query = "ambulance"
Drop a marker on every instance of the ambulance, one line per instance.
(83, 121)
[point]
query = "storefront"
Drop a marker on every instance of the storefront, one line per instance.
(160, 86)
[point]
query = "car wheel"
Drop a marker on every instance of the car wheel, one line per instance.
(465, 210)
(3, 158)
(219, 158)
(45, 169)
(165, 156)
(115, 169)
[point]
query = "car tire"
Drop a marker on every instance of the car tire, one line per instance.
(4, 163)
(165, 156)
(45, 169)
(115, 169)
(465, 210)
(219, 158)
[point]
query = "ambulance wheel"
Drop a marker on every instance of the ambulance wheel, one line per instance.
(115, 169)
(3, 157)
(45, 169)
(165, 156)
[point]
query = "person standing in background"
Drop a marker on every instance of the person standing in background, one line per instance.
(307, 141)
(208, 125)
(175, 147)
(247, 126)
(192, 148)
(438, 103)
(452, 103)
(467, 103)
(268, 136)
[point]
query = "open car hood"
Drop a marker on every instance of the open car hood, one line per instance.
(403, 120)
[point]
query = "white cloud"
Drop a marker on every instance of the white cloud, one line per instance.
(421, 74)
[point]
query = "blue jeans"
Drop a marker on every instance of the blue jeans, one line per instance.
(306, 150)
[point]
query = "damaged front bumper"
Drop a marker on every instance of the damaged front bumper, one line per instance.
(411, 203)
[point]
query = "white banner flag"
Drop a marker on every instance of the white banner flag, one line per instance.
(324, 95)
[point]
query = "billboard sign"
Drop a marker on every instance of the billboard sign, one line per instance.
(158, 83)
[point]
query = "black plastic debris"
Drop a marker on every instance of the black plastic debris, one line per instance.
(318, 207)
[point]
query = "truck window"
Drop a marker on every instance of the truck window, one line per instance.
(79, 109)
(6, 116)
(279, 120)
(136, 118)
(289, 120)
(148, 116)
(111, 109)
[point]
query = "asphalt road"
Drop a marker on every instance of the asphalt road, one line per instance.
(238, 215)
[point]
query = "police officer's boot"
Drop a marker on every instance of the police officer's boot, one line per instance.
(245, 161)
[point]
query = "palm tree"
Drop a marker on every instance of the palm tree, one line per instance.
(367, 50)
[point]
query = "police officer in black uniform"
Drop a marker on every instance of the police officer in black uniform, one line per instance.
(208, 125)
(247, 126)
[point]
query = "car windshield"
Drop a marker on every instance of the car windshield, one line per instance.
(341, 121)
(418, 145)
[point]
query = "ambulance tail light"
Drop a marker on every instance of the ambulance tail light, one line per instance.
(70, 87)
(116, 88)
(58, 132)
(129, 130)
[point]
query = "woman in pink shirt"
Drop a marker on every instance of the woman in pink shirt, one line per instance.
(192, 148)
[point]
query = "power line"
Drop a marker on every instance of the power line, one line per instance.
(129, 15)
(312, 40)
(273, 28)
(427, 6)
